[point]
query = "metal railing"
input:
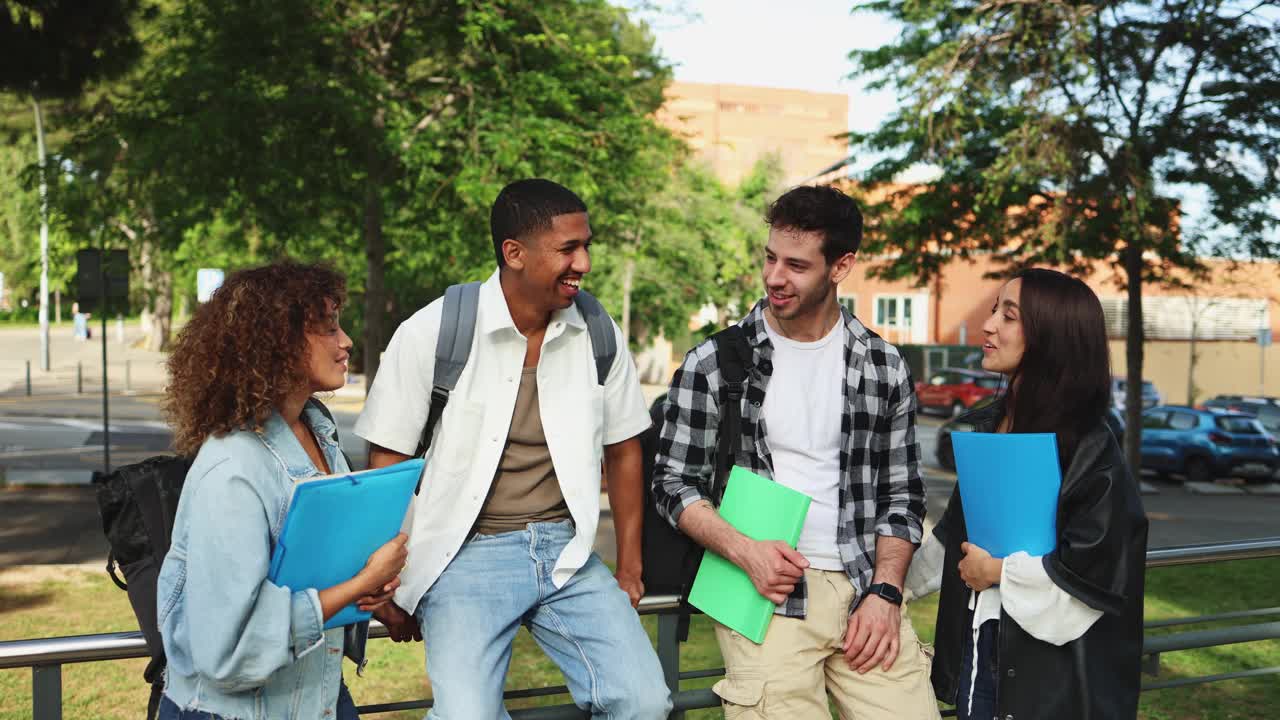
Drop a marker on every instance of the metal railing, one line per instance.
(46, 656)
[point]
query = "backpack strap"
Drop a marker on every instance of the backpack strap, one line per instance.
(604, 344)
(458, 328)
(453, 347)
(734, 356)
(325, 411)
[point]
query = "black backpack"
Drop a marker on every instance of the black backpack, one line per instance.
(138, 503)
(671, 558)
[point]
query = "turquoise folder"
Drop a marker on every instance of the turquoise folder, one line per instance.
(335, 523)
(761, 509)
(1009, 485)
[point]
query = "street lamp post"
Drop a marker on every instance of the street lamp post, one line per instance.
(44, 240)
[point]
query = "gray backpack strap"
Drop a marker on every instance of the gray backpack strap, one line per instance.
(604, 344)
(453, 347)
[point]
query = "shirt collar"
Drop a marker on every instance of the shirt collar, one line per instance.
(494, 315)
(758, 335)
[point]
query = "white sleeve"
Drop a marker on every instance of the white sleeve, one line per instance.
(1046, 611)
(924, 577)
(396, 409)
(625, 413)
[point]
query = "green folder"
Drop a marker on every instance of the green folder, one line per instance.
(761, 509)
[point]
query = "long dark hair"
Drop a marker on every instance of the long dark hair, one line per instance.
(1063, 383)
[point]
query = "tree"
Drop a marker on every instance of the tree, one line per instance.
(380, 129)
(1065, 132)
(53, 48)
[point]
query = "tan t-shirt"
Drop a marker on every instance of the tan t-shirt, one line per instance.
(525, 489)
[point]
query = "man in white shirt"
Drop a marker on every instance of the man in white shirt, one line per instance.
(829, 410)
(501, 533)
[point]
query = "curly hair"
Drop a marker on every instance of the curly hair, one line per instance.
(245, 350)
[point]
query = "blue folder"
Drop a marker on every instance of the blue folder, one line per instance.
(1009, 486)
(335, 523)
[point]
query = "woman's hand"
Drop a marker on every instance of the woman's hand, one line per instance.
(373, 601)
(978, 569)
(384, 566)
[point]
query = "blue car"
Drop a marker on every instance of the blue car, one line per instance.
(1203, 444)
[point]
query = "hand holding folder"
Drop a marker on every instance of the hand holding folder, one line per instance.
(335, 523)
(761, 509)
(1009, 486)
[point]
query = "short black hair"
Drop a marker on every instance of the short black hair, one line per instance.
(825, 209)
(528, 206)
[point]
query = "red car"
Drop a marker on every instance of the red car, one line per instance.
(951, 391)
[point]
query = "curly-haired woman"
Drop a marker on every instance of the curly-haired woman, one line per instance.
(242, 374)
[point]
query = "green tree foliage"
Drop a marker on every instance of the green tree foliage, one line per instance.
(1066, 132)
(378, 129)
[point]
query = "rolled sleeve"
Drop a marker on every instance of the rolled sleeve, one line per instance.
(687, 441)
(308, 621)
(249, 626)
(625, 415)
(396, 409)
(900, 498)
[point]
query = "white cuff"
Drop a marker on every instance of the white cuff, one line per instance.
(1046, 611)
(924, 577)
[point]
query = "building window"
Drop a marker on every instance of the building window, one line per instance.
(893, 311)
(850, 303)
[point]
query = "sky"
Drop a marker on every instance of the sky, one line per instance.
(799, 44)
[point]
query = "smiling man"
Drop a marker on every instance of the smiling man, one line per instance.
(829, 410)
(502, 530)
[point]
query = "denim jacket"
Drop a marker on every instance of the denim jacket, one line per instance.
(238, 645)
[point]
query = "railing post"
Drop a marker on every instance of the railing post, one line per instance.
(669, 655)
(46, 692)
(79, 378)
(128, 378)
(28, 378)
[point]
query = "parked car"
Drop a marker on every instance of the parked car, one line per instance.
(1206, 444)
(1265, 409)
(951, 391)
(1119, 386)
(945, 455)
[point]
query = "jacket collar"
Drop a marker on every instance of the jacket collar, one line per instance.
(282, 443)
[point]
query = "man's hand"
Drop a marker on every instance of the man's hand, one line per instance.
(630, 582)
(872, 637)
(774, 568)
(978, 569)
(400, 624)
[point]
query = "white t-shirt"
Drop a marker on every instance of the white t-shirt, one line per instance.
(802, 411)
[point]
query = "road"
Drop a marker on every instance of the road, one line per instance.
(49, 448)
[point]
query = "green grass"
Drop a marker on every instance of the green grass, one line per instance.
(46, 602)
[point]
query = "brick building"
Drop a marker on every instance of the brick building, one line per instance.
(732, 126)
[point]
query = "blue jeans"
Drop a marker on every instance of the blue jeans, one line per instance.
(984, 688)
(170, 711)
(495, 584)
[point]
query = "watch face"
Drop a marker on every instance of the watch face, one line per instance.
(889, 592)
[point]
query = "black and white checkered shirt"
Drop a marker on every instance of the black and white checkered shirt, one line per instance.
(881, 492)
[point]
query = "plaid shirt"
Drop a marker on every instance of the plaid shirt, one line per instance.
(881, 492)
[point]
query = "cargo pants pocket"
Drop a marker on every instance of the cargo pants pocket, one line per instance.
(742, 695)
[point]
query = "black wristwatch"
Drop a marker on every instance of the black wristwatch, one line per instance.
(886, 591)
